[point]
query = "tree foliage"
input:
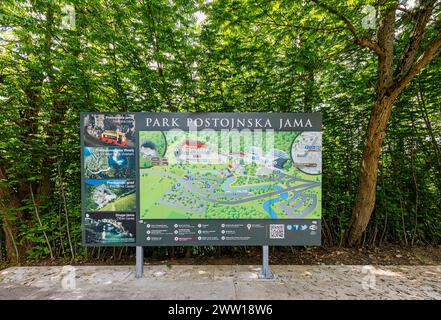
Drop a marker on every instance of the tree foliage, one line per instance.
(222, 55)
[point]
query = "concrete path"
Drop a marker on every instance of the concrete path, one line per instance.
(221, 282)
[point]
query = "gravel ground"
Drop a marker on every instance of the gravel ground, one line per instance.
(229, 282)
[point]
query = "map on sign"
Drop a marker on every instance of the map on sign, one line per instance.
(210, 175)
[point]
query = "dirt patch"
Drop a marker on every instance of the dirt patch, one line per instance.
(385, 255)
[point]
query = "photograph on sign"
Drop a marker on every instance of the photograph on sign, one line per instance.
(110, 195)
(109, 163)
(110, 227)
(108, 129)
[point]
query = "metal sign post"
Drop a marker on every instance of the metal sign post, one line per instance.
(139, 262)
(266, 272)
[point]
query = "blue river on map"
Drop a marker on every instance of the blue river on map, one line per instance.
(87, 152)
(267, 204)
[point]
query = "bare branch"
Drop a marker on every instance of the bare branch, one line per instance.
(362, 41)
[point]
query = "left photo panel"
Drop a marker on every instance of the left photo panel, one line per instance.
(109, 178)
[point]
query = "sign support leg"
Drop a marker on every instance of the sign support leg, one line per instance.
(139, 262)
(266, 272)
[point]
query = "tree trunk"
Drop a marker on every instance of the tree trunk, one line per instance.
(11, 215)
(366, 192)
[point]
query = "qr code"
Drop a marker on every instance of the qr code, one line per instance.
(277, 231)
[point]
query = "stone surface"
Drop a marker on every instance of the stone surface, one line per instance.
(229, 282)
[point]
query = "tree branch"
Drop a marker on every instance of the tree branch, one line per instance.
(424, 59)
(409, 53)
(296, 26)
(405, 10)
(362, 41)
(386, 41)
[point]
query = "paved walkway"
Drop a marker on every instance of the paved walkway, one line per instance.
(222, 282)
